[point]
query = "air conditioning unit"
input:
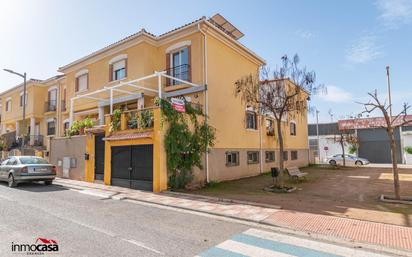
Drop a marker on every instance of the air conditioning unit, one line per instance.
(270, 131)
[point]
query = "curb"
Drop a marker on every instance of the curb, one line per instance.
(225, 200)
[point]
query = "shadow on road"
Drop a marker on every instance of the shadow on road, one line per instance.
(38, 187)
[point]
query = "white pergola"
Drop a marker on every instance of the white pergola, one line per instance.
(134, 84)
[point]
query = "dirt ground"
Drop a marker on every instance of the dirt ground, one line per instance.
(344, 192)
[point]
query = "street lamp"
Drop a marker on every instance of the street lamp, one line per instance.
(24, 76)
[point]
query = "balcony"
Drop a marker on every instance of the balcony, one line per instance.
(181, 72)
(50, 106)
(30, 140)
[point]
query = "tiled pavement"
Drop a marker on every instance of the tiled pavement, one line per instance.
(350, 229)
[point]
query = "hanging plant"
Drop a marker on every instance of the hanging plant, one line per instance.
(115, 123)
(186, 139)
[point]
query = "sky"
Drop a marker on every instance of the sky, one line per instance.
(347, 43)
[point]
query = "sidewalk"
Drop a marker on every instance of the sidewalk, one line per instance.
(350, 229)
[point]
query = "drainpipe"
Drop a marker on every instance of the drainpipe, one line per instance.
(206, 93)
(260, 143)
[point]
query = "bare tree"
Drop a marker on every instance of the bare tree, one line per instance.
(345, 137)
(279, 94)
(391, 123)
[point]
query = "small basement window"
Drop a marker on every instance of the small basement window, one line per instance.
(232, 158)
(252, 157)
(294, 155)
(270, 156)
(285, 155)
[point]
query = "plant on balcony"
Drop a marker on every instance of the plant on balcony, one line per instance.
(188, 136)
(146, 119)
(115, 123)
(132, 123)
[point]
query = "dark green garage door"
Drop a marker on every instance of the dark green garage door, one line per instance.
(132, 166)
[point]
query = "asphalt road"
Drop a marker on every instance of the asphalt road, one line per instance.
(85, 225)
(93, 225)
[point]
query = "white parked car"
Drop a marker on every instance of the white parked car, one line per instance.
(350, 160)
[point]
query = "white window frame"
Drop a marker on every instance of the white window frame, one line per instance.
(172, 66)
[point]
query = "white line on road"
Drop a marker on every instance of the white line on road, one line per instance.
(140, 244)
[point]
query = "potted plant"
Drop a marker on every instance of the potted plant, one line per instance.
(146, 119)
(132, 123)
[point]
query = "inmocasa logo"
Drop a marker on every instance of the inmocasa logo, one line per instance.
(40, 247)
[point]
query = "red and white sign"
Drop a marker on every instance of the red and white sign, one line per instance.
(178, 104)
(365, 123)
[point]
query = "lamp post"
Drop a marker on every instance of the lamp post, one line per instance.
(24, 76)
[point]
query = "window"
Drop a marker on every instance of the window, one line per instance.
(5, 162)
(232, 158)
(294, 155)
(21, 99)
(118, 70)
(253, 157)
(51, 128)
(270, 156)
(313, 144)
(52, 100)
(293, 128)
(12, 161)
(251, 121)
(82, 82)
(180, 65)
(270, 130)
(32, 160)
(8, 105)
(285, 155)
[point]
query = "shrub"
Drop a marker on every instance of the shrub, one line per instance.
(408, 149)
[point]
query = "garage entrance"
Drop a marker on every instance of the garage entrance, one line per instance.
(98, 157)
(132, 167)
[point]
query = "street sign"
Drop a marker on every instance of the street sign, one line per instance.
(178, 104)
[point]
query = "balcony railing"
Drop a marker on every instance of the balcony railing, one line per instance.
(50, 106)
(181, 72)
(140, 120)
(63, 105)
(31, 140)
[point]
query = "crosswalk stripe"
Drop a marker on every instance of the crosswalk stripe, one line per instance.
(315, 245)
(289, 249)
(218, 252)
(250, 250)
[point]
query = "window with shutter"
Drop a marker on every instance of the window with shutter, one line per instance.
(82, 83)
(118, 70)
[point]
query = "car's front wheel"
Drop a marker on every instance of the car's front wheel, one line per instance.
(48, 182)
(332, 162)
(358, 163)
(11, 181)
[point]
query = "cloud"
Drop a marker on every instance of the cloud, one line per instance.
(305, 34)
(394, 13)
(336, 95)
(363, 50)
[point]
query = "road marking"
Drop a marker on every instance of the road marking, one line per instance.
(142, 245)
(254, 242)
(302, 242)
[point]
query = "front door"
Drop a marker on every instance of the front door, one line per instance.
(98, 157)
(132, 167)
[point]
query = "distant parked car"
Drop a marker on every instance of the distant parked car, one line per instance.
(16, 169)
(350, 160)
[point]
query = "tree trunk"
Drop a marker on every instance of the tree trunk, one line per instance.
(281, 161)
(394, 164)
(343, 152)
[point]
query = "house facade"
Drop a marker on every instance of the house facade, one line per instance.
(199, 62)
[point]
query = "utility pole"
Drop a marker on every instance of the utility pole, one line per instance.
(389, 92)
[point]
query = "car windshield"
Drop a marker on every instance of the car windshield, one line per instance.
(33, 160)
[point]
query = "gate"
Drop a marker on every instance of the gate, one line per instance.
(374, 145)
(99, 157)
(132, 167)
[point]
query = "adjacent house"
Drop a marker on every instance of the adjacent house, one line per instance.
(200, 62)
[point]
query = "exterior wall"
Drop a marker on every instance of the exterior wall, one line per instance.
(333, 147)
(220, 172)
(74, 147)
(407, 142)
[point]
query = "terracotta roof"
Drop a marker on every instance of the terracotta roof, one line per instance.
(129, 136)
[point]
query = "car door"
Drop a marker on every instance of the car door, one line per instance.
(339, 159)
(9, 166)
(350, 160)
(3, 169)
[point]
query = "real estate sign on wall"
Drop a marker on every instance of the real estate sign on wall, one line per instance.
(178, 104)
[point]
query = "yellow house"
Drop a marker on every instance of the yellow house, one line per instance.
(41, 117)
(199, 61)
